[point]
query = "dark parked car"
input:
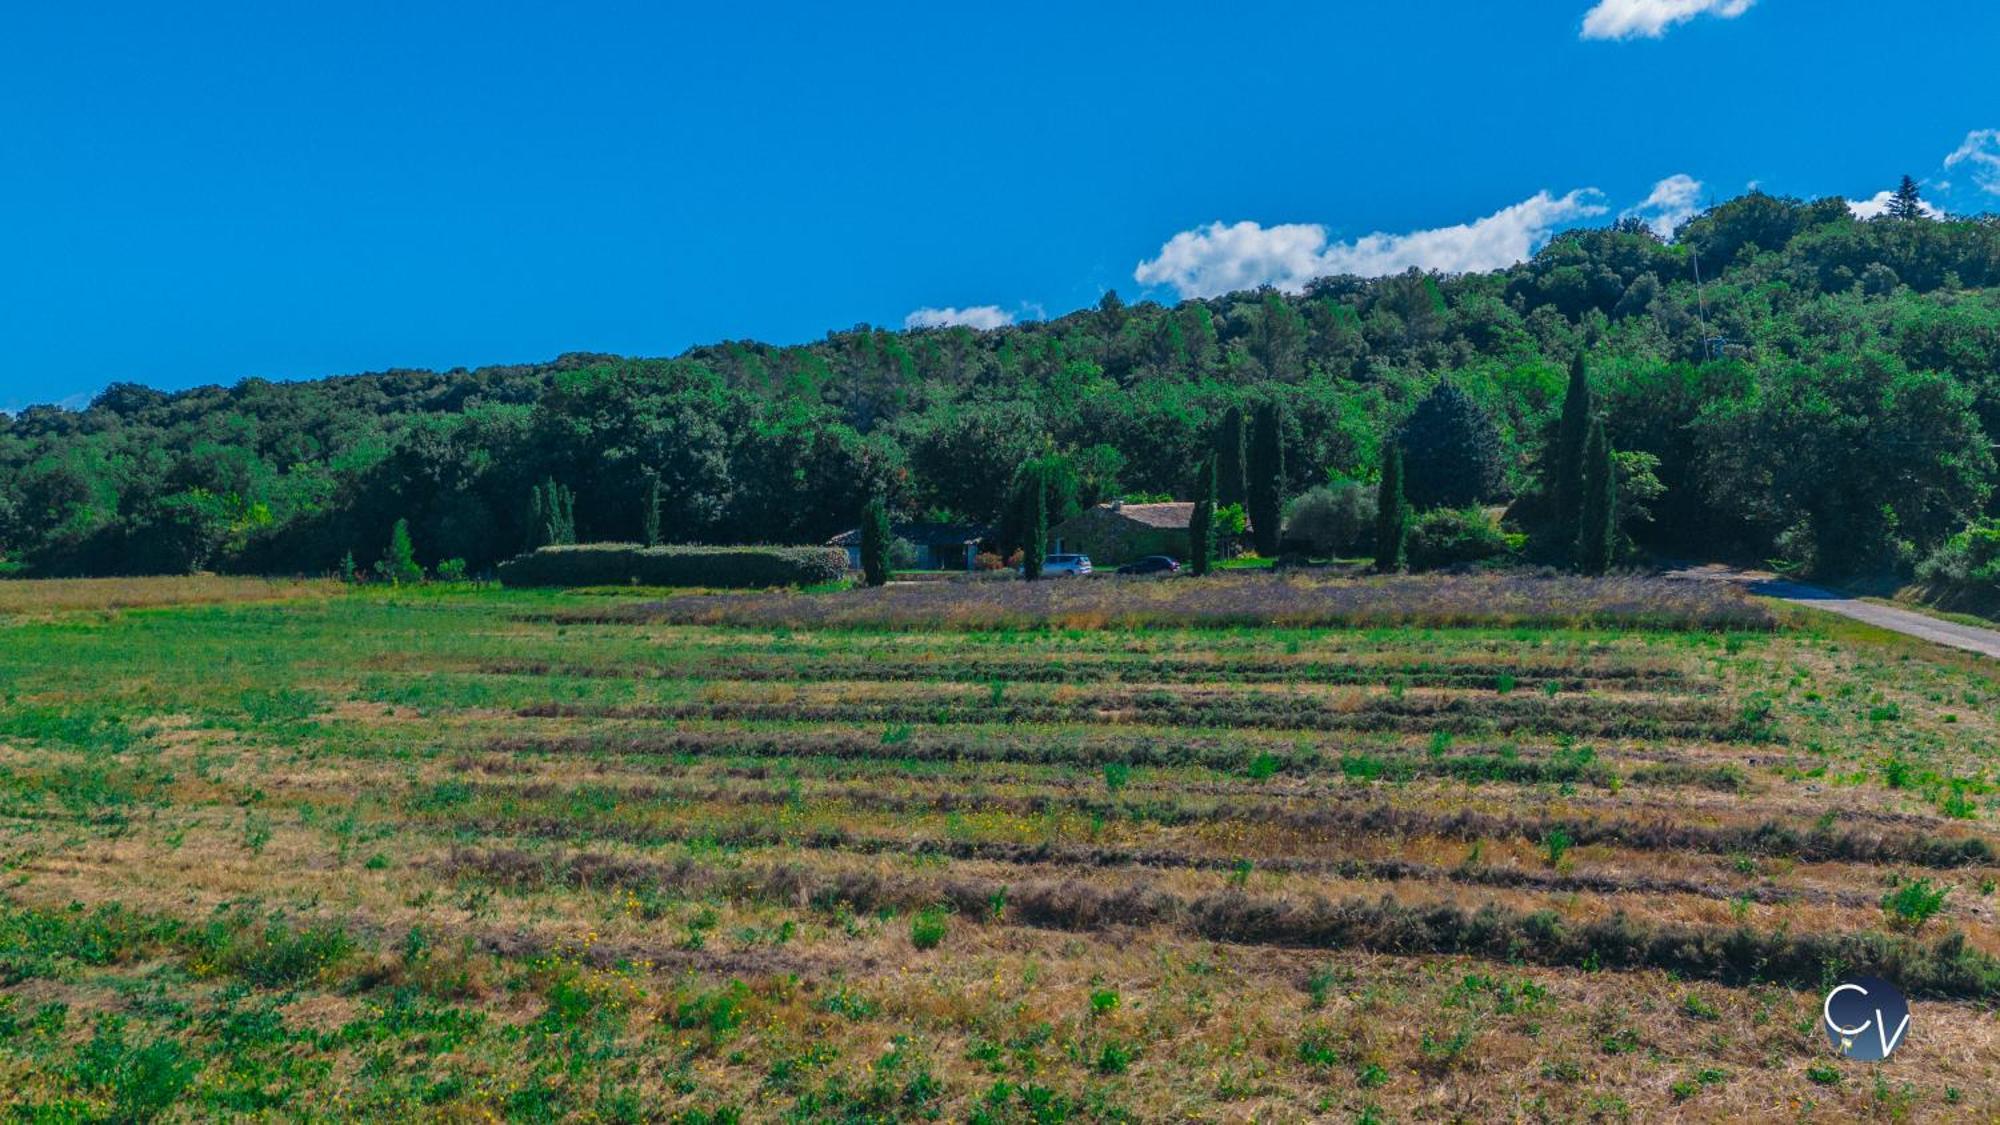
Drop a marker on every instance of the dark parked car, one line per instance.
(1151, 564)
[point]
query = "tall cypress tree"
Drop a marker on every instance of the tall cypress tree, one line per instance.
(1229, 447)
(553, 507)
(1565, 461)
(1392, 512)
(1597, 537)
(1034, 500)
(1267, 477)
(875, 542)
(1201, 525)
(650, 514)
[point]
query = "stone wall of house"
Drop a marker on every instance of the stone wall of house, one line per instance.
(1111, 539)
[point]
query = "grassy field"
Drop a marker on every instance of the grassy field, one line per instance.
(1429, 850)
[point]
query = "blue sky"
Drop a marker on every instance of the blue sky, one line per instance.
(201, 194)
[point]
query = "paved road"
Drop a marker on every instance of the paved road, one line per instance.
(1972, 638)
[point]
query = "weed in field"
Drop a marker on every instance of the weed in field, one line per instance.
(1556, 846)
(1914, 903)
(929, 926)
(1116, 776)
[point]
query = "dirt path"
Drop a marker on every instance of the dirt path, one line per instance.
(1971, 638)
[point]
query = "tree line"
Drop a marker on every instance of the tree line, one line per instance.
(1828, 398)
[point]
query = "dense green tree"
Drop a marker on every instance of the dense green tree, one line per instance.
(1201, 525)
(1266, 473)
(1392, 512)
(1451, 451)
(1597, 522)
(875, 541)
(1330, 519)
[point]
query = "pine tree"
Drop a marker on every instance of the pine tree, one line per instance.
(1230, 441)
(1392, 512)
(875, 542)
(1908, 202)
(399, 563)
(1201, 525)
(1266, 478)
(1597, 539)
(553, 508)
(1034, 501)
(650, 514)
(1565, 460)
(348, 571)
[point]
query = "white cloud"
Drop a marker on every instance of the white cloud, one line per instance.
(978, 316)
(1627, 19)
(1221, 258)
(1982, 150)
(1674, 201)
(1869, 208)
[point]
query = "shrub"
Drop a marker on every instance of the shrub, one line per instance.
(1914, 903)
(1454, 537)
(928, 928)
(451, 570)
(399, 563)
(1331, 519)
(1964, 572)
(613, 564)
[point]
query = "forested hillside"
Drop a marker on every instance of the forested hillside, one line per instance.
(1829, 396)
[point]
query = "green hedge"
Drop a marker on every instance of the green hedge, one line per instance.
(620, 564)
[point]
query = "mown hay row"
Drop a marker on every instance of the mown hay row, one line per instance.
(1240, 600)
(1470, 676)
(1330, 818)
(1582, 717)
(1946, 968)
(1472, 765)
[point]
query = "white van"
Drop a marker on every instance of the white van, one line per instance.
(1054, 566)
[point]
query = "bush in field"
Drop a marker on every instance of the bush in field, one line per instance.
(1914, 903)
(927, 928)
(1964, 572)
(451, 570)
(1331, 519)
(619, 564)
(1453, 537)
